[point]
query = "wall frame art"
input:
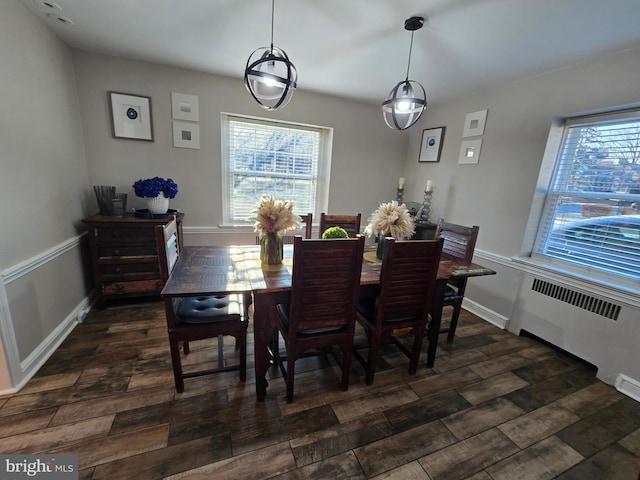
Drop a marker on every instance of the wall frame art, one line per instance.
(470, 152)
(474, 123)
(131, 116)
(184, 107)
(431, 145)
(186, 135)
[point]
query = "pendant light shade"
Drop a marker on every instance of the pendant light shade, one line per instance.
(407, 101)
(270, 76)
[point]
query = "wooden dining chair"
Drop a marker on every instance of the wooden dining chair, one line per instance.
(306, 223)
(198, 318)
(351, 223)
(407, 287)
(322, 311)
(459, 241)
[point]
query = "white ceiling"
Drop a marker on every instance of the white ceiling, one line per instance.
(354, 48)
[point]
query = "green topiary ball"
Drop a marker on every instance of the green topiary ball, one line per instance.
(335, 232)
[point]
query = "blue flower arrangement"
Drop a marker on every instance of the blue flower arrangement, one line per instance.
(151, 187)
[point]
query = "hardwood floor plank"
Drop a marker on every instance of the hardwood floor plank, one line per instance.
(344, 465)
(632, 442)
(543, 369)
(442, 382)
(391, 452)
(469, 456)
(51, 382)
(408, 471)
(501, 364)
(541, 461)
(538, 425)
(476, 419)
(273, 460)
(493, 387)
(26, 422)
(343, 437)
(613, 463)
(66, 437)
(590, 399)
(426, 410)
(375, 401)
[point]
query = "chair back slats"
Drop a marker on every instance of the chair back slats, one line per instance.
(168, 246)
(351, 223)
(326, 273)
(407, 277)
(459, 240)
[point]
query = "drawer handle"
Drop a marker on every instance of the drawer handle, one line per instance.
(120, 289)
(116, 253)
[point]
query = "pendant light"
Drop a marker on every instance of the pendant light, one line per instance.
(407, 101)
(270, 76)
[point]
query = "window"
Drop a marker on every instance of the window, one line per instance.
(591, 213)
(288, 161)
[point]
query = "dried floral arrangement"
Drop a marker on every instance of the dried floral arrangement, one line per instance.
(391, 219)
(271, 215)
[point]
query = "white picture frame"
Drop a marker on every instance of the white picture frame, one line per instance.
(470, 152)
(474, 123)
(186, 135)
(130, 116)
(185, 107)
(431, 145)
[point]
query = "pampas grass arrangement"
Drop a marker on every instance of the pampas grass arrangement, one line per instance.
(273, 216)
(391, 219)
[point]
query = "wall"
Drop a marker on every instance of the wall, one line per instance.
(497, 193)
(367, 156)
(44, 189)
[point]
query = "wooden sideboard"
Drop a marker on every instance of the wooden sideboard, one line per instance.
(124, 258)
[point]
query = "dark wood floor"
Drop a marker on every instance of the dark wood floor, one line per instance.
(495, 407)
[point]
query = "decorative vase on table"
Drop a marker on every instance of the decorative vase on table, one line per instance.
(382, 239)
(271, 248)
(158, 205)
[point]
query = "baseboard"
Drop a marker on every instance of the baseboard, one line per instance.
(30, 365)
(486, 314)
(629, 386)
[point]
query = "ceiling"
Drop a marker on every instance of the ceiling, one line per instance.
(354, 48)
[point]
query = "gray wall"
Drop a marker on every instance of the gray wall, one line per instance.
(44, 190)
(497, 194)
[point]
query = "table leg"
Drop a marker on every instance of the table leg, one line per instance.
(433, 330)
(264, 308)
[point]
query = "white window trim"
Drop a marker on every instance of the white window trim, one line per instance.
(324, 165)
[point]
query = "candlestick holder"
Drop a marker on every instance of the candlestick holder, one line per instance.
(426, 207)
(400, 195)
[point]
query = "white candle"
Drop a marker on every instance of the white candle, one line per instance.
(401, 182)
(429, 187)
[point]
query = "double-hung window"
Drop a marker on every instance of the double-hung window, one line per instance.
(590, 221)
(286, 160)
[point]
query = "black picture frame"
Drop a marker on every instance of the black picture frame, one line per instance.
(431, 145)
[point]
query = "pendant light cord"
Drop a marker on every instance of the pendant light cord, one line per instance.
(272, 14)
(410, 49)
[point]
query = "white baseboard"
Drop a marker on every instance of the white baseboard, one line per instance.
(30, 365)
(629, 386)
(486, 314)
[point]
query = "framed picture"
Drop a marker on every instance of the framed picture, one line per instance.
(470, 151)
(131, 116)
(184, 107)
(186, 135)
(431, 146)
(474, 124)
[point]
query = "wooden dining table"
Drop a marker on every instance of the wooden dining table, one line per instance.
(219, 270)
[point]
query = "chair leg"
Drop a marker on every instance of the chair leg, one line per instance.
(185, 347)
(291, 369)
(242, 340)
(454, 322)
(417, 347)
(177, 365)
(346, 367)
(371, 362)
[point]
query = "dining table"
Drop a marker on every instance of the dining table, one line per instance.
(237, 269)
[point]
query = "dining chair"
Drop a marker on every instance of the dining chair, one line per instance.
(351, 223)
(403, 302)
(306, 223)
(199, 318)
(459, 241)
(322, 310)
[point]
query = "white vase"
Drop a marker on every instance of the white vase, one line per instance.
(158, 205)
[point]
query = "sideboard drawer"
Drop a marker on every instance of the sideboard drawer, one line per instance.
(124, 256)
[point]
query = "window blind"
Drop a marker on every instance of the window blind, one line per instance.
(591, 217)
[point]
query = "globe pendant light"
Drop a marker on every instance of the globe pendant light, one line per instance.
(407, 101)
(270, 76)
